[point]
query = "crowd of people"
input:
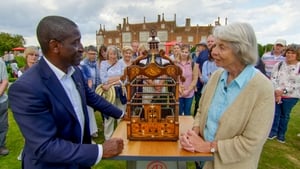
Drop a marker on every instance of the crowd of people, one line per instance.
(56, 111)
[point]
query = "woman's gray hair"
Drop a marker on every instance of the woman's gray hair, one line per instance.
(242, 38)
(115, 50)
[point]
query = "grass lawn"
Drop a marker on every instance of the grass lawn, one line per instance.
(275, 155)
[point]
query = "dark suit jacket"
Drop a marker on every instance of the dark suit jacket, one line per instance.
(49, 123)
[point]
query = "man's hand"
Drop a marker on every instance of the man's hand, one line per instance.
(112, 147)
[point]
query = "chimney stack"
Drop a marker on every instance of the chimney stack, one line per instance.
(188, 22)
(124, 21)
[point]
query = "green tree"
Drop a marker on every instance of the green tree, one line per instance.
(264, 48)
(260, 50)
(8, 41)
(268, 47)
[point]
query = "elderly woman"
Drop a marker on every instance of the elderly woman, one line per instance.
(237, 107)
(111, 71)
(31, 55)
(127, 52)
(286, 80)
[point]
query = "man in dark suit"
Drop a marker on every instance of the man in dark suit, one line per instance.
(49, 104)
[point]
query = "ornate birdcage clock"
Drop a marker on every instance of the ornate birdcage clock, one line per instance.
(152, 84)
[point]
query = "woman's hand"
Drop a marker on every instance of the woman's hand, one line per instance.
(278, 99)
(278, 93)
(192, 142)
(181, 90)
(185, 92)
(106, 87)
(185, 143)
(197, 142)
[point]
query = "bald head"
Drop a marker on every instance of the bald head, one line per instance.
(53, 28)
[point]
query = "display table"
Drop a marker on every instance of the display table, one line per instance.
(146, 153)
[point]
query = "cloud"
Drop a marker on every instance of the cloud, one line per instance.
(270, 19)
(49, 5)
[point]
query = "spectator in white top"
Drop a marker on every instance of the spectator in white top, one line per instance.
(286, 80)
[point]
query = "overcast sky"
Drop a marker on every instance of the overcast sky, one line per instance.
(271, 19)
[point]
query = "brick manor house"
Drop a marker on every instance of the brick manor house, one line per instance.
(167, 32)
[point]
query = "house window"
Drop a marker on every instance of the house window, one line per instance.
(144, 36)
(203, 38)
(126, 36)
(100, 40)
(178, 38)
(163, 35)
